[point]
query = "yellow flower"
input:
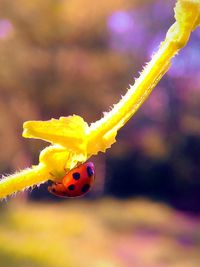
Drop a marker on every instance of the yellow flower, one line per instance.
(73, 140)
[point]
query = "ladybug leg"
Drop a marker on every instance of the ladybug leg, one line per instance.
(54, 179)
(66, 170)
(52, 175)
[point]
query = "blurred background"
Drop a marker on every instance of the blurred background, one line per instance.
(64, 57)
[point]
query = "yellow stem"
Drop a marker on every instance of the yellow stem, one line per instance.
(24, 179)
(176, 38)
(134, 97)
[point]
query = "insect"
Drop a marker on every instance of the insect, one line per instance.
(76, 182)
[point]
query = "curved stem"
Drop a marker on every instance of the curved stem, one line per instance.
(187, 14)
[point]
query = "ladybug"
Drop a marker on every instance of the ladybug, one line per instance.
(76, 182)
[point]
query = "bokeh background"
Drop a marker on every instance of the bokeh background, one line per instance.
(65, 57)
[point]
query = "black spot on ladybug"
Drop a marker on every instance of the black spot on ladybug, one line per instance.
(90, 171)
(76, 175)
(71, 187)
(85, 188)
(53, 190)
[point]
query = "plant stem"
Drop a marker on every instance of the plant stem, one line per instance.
(22, 180)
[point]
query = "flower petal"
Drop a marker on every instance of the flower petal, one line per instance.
(69, 132)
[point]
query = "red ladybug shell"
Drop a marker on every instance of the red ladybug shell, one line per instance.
(76, 182)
